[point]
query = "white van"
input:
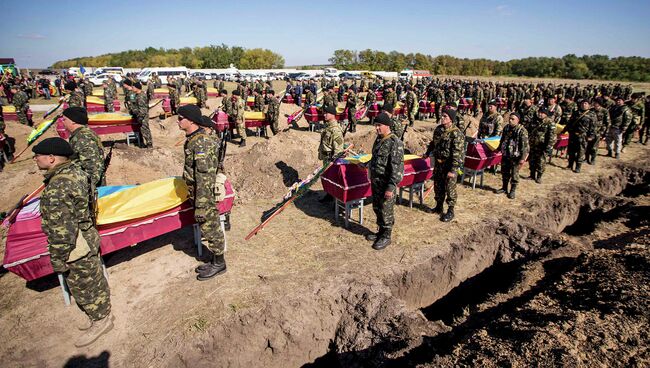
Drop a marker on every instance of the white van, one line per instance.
(110, 70)
(163, 73)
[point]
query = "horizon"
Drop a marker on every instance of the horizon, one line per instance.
(302, 35)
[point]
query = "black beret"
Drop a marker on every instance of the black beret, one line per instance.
(77, 114)
(137, 85)
(128, 82)
(329, 109)
(53, 146)
(516, 114)
(619, 98)
(383, 119)
(236, 92)
(223, 91)
(493, 103)
(599, 100)
(70, 85)
(272, 92)
(388, 107)
(206, 122)
(451, 113)
(544, 110)
(191, 112)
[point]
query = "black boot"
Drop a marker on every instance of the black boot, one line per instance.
(437, 208)
(577, 169)
(374, 236)
(216, 267)
(449, 215)
(383, 240)
(504, 187)
(242, 143)
(511, 194)
(538, 178)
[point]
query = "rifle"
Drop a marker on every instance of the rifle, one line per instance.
(61, 101)
(107, 161)
(21, 203)
(35, 137)
(156, 104)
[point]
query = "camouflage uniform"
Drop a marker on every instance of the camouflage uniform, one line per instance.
(21, 103)
(621, 118)
(581, 128)
(397, 128)
(73, 240)
(446, 151)
(514, 147)
(329, 100)
(89, 152)
(351, 105)
(174, 98)
(238, 113)
(76, 99)
(200, 95)
(331, 141)
(391, 98)
(273, 114)
(600, 126)
(140, 110)
(638, 118)
(411, 106)
(200, 175)
(371, 98)
(386, 171)
(87, 87)
(258, 103)
(491, 125)
(109, 97)
(541, 137)
(528, 115)
(150, 89)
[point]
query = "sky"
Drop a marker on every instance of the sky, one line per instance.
(38, 33)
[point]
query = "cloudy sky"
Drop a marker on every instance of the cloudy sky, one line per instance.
(38, 33)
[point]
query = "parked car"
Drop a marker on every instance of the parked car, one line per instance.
(302, 77)
(97, 80)
(48, 72)
(348, 75)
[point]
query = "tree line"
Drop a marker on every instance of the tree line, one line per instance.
(570, 66)
(208, 57)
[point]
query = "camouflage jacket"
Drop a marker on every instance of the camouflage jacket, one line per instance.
(140, 106)
(638, 111)
(602, 120)
(150, 89)
(621, 117)
(514, 142)
(351, 102)
(567, 111)
(238, 108)
(528, 115)
(329, 100)
(331, 141)
(173, 95)
(226, 106)
(556, 112)
(371, 98)
(108, 95)
(76, 99)
(258, 104)
(112, 87)
(273, 110)
(21, 101)
(397, 128)
(541, 135)
(490, 125)
(447, 148)
(391, 98)
(87, 88)
(309, 97)
(583, 124)
(89, 152)
(387, 163)
(200, 169)
(411, 100)
(65, 211)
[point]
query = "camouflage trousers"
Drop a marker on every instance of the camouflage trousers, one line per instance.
(383, 208)
(411, 115)
(629, 132)
(591, 150)
(644, 131)
(576, 149)
(89, 286)
(241, 128)
(510, 171)
(108, 103)
(352, 120)
(537, 161)
(275, 126)
(211, 232)
(145, 131)
(21, 114)
(443, 186)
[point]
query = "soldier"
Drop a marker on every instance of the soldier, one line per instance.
(541, 137)
(351, 105)
(638, 114)
(331, 141)
(109, 97)
(555, 110)
(226, 103)
(86, 144)
(371, 98)
(200, 175)
(645, 128)
(390, 97)
(258, 100)
(238, 115)
(7, 144)
(446, 151)
(527, 111)
(396, 126)
(514, 148)
(273, 112)
(568, 109)
(75, 97)
(21, 103)
(601, 127)
(310, 98)
(621, 118)
(73, 241)
(386, 171)
(491, 123)
(582, 129)
(174, 98)
(129, 96)
(87, 87)
(329, 99)
(150, 88)
(411, 105)
(140, 110)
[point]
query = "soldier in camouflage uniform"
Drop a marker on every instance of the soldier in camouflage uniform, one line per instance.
(140, 110)
(638, 117)
(73, 241)
(310, 98)
(109, 97)
(582, 129)
(528, 112)
(491, 124)
(238, 107)
(174, 98)
(601, 127)
(396, 126)
(87, 88)
(75, 97)
(200, 175)
(541, 137)
(273, 112)
(351, 105)
(390, 97)
(446, 151)
(258, 100)
(150, 88)
(331, 141)
(411, 105)
(371, 98)
(621, 118)
(329, 99)
(514, 148)
(86, 144)
(200, 95)
(386, 169)
(568, 108)
(21, 103)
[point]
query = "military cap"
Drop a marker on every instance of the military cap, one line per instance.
(137, 85)
(517, 115)
(53, 146)
(223, 91)
(128, 82)
(190, 112)
(236, 92)
(14, 86)
(453, 104)
(599, 100)
(70, 86)
(388, 107)
(206, 122)
(330, 109)
(493, 103)
(271, 92)
(544, 110)
(451, 113)
(383, 119)
(77, 114)
(619, 98)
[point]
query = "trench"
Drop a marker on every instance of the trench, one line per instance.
(396, 321)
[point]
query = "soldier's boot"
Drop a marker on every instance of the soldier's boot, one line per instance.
(449, 215)
(374, 236)
(437, 208)
(538, 179)
(570, 165)
(511, 193)
(226, 224)
(97, 329)
(216, 267)
(618, 155)
(504, 187)
(242, 143)
(609, 153)
(577, 169)
(382, 241)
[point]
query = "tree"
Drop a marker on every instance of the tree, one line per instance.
(260, 59)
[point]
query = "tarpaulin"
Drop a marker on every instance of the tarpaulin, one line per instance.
(364, 158)
(188, 100)
(94, 100)
(254, 115)
(8, 108)
(109, 117)
(492, 142)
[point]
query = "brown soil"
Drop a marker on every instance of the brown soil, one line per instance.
(303, 286)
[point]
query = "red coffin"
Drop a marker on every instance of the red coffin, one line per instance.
(426, 107)
(479, 156)
(562, 141)
(157, 95)
(221, 122)
(101, 129)
(26, 252)
(416, 171)
(380, 95)
(288, 99)
(346, 182)
(374, 110)
(11, 116)
(167, 105)
(92, 107)
(313, 114)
